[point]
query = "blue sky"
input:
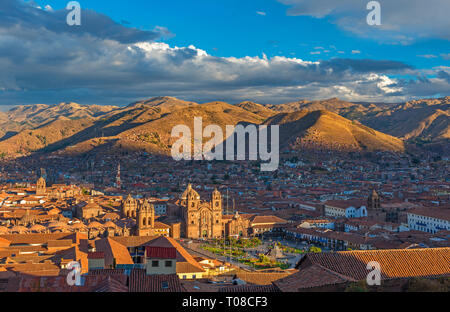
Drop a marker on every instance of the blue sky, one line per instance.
(234, 28)
(269, 51)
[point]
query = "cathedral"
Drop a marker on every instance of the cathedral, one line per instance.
(201, 219)
(190, 217)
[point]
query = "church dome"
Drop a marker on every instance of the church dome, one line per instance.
(189, 192)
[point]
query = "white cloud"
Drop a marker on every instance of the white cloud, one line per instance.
(261, 13)
(119, 64)
(356, 52)
(402, 20)
(428, 56)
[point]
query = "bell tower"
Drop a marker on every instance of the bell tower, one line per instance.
(41, 188)
(190, 201)
(373, 201)
(129, 207)
(216, 207)
(145, 219)
(216, 200)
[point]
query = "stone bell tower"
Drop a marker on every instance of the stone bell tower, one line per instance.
(190, 202)
(129, 207)
(216, 209)
(145, 219)
(373, 201)
(41, 188)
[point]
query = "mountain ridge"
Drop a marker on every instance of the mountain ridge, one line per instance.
(146, 124)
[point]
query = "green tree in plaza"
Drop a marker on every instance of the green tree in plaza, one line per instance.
(314, 249)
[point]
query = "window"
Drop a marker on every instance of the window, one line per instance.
(155, 263)
(193, 276)
(168, 264)
(184, 276)
(164, 285)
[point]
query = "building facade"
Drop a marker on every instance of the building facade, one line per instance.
(429, 220)
(201, 219)
(145, 219)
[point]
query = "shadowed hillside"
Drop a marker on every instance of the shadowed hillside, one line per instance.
(146, 125)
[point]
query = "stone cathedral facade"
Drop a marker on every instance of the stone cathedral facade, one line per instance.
(201, 219)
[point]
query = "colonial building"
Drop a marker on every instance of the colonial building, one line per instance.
(129, 207)
(88, 209)
(56, 191)
(373, 201)
(201, 218)
(191, 217)
(145, 219)
(144, 212)
(345, 209)
(41, 187)
(430, 220)
(236, 226)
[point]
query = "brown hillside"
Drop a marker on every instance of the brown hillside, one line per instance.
(257, 109)
(328, 130)
(154, 135)
(427, 119)
(28, 141)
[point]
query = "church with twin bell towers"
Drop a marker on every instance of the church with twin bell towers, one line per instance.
(201, 219)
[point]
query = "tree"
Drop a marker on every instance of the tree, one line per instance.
(314, 249)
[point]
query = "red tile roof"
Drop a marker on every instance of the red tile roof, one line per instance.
(250, 288)
(141, 282)
(161, 252)
(313, 276)
(96, 255)
(395, 263)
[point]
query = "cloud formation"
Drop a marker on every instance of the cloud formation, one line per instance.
(44, 61)
(401, 20)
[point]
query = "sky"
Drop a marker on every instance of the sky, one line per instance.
(267, 51)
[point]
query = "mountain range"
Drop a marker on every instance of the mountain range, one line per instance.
(146, 125)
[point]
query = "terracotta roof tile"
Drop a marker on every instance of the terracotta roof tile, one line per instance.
(141, 282)
(394, 263)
